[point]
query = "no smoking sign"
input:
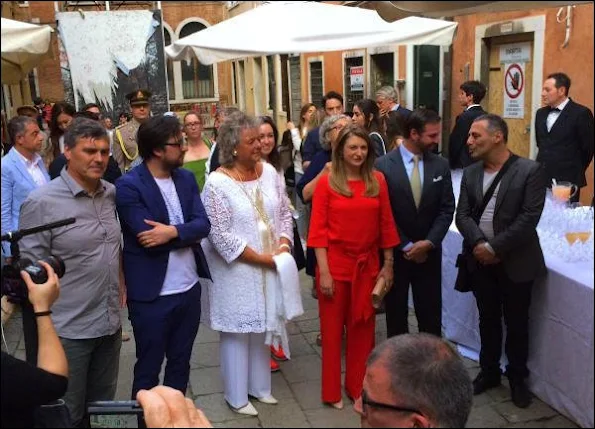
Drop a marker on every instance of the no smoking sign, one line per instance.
(514, 80)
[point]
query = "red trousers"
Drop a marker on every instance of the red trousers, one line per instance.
(334, 315)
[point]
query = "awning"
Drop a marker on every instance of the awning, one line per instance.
(299, 27)
(24, 45)
(393, 10)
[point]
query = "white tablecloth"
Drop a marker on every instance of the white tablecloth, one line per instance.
(560, 329)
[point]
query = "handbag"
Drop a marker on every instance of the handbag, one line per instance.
(465, 261)
(379, 292)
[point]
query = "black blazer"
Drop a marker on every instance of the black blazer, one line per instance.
(436, 209)
(518, 209)
(567, 149)
(458, 154)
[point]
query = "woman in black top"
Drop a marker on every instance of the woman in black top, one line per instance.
(24, 386)
(367, 116)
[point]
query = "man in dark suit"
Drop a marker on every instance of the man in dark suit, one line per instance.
(564, 133)
(471, 94)
(506, 255)
(423, 205)
(163, 221)
(387, 100)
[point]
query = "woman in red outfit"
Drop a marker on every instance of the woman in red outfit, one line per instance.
(351, 220)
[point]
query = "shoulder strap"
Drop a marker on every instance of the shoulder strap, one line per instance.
(490, 192)
(377, 134)
(123, 146)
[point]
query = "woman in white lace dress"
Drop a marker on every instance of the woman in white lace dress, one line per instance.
(250, 223)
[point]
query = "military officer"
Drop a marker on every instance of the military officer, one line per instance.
(125, 150)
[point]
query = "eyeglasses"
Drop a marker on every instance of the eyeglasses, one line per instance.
(181, 143)
(368, 403)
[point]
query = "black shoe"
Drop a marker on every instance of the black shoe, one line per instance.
(485, 381)
(520, 393)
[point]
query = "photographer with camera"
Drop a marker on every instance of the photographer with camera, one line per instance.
(24, 386)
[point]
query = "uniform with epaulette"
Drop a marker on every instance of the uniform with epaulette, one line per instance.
(125, 149)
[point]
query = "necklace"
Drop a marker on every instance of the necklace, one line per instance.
(256, 199)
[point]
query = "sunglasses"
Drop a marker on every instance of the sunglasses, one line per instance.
(366, 402)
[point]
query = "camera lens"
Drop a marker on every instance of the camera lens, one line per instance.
(57, 264)
(38, 273)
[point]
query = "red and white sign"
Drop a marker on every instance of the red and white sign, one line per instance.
(356, 75)
(514, 91)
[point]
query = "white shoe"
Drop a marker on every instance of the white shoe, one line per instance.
(247, 410)
(268, 400)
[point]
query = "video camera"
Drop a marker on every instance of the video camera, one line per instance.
(12, 285)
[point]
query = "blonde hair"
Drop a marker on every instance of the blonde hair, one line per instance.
(338, 177)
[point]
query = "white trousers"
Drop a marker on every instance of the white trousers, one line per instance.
(245, 367)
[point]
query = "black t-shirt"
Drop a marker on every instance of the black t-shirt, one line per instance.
(24, 388)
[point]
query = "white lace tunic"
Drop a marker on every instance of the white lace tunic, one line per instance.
(236, 297)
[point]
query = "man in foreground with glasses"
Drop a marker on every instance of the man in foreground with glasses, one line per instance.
(163, 221)
(415, 380)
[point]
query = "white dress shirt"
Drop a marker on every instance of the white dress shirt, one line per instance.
(34, 169)
(552, 117)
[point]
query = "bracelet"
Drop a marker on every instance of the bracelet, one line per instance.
(43, 313)
(389, 259)
(285, 245)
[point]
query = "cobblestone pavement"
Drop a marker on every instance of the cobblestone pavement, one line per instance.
(297, 385)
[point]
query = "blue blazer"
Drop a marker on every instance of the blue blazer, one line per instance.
(17, 183)
(138, 198)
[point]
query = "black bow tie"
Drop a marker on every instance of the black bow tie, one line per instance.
(554, 109)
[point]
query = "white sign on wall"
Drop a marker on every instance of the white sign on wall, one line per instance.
(356, 75)
(515, 53)
(514, 90)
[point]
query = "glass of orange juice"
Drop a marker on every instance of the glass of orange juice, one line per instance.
(564, 191)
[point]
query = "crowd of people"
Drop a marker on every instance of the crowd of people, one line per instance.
(181, 228)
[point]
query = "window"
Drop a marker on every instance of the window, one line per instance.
(197, 79)
(170, 66)
(316, 83)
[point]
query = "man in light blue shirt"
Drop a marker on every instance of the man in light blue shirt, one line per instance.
(22, 172)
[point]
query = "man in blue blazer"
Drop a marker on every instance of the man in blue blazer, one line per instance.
(163, 221)
(22, 172)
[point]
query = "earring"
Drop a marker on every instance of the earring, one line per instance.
(235, 153)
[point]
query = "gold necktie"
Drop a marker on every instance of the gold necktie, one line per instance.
(416, 181)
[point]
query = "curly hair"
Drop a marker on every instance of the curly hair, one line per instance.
(329, 122)
(230, 135)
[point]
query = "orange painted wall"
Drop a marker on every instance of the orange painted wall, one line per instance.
(576, 60)
(333, 73)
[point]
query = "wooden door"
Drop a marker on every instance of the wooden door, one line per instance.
(519, 130)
